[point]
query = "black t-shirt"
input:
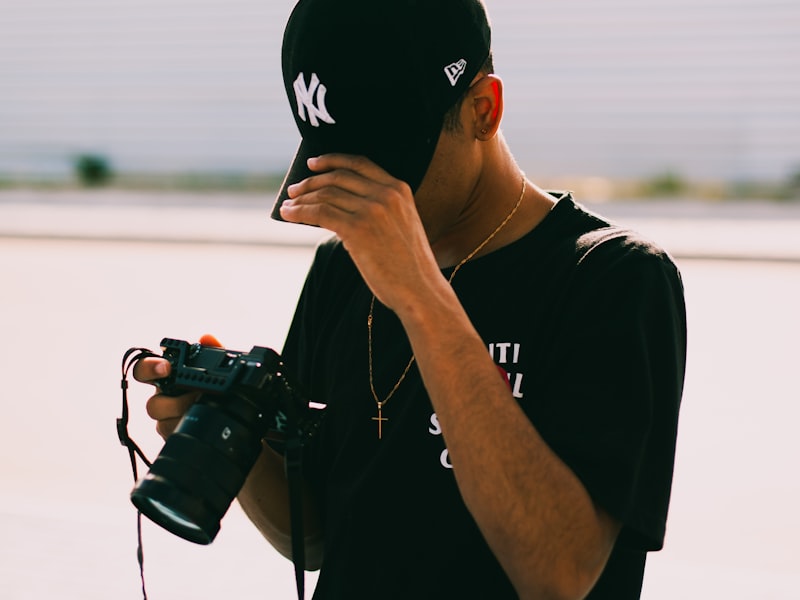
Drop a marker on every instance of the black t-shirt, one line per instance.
(588, 322)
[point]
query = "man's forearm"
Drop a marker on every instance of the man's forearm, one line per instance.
(265, 500)
(533, 511)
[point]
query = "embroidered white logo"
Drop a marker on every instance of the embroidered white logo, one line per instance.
(455, 70)
(305, 100)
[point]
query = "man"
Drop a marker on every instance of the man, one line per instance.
(539, 469)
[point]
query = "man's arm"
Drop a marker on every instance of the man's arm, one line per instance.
(264, 497)
(537, 517)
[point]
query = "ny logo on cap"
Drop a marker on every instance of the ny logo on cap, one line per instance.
(305, 100)
(455, 70)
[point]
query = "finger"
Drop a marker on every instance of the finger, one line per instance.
(165, 427)
(150, 369)
(161, 407)
(337, 185)
(339, 199)
(313, 213)
(325, 200)
(169, 410)
(355, 174)
(209, 340)
(350, 162)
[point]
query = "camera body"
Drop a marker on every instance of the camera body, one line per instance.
(215, 370)
(257, 377)
(245, 398)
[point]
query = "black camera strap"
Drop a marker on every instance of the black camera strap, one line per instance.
(293, 461)
(130, 358)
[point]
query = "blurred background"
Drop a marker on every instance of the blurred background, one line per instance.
(631, 98)
(140, 146)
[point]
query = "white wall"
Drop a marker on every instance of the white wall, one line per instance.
(708, 88)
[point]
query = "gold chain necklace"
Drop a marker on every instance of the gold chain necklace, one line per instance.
(381, 403)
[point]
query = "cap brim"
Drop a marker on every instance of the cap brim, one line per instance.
(405, 159)
(298, 171)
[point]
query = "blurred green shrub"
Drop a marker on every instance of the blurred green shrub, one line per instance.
(792, 185)
(665, 184)
(93, 170)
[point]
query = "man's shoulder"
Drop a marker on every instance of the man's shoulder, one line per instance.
(329, 246)
(597, 238)
(331, 253)
(578, 235)
(332, 268)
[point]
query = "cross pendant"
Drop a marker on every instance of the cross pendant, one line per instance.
(380, 419)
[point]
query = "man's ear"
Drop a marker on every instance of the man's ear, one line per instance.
(487, 106)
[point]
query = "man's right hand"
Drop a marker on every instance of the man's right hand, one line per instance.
(167, 411)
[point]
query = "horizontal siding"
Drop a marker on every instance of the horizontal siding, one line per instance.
(708, 88)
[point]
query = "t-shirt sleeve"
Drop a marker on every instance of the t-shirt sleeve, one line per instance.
(298, 348)
(613, 383)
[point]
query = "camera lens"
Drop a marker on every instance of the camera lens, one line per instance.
(201, 468)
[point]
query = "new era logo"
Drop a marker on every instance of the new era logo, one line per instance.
(306, 105)
(455, 70)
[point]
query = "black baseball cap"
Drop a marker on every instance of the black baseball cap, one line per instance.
(376, 77)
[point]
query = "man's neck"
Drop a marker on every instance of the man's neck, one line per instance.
(496, 198)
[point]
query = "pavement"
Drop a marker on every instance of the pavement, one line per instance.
(742, 230)
(72, 304)
(116, 215)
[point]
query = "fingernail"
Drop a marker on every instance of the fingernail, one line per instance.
(162, 369)
(312, 161)
(287, 204)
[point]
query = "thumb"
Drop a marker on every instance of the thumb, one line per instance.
(209, 340)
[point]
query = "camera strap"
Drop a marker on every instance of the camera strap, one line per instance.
(130, 358)
(293, 462)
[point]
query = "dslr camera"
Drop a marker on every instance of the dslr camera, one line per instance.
(246, 398)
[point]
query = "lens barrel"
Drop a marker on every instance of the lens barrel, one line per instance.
(201, 468)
